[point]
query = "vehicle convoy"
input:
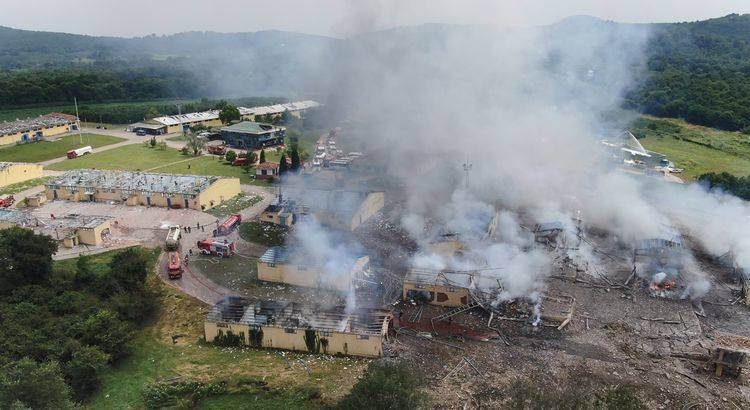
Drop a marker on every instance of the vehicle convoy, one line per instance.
(174, 234)
(7, 201)
(216, 248)
(229, 225)
(174, 265)
(75, 153)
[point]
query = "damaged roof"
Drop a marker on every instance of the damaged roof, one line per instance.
(132, 181)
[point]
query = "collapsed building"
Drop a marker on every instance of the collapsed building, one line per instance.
(660, 261)
(15, 172)
(338, 209)
(34, 129)
(141, 188)
(283, 265)
(70, 230)
(294, 326)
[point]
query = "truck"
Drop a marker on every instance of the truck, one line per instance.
(217, 149)
(174, 234)
(228, 226)
(174, 265)
(75, 153)
(216, 248)
(7, 201)
(241, 161)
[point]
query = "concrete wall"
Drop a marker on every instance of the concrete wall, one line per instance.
(219, 191)
(312, 277)
(440, 295)
(294, 339)
(373, 204)
(46, 132)
(178, 127)
(20, 172)
(93, 236)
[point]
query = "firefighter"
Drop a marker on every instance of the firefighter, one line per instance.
(187, 259)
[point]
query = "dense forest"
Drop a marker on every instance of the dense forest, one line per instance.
(726, 182)
(63, 324)
(699, 71)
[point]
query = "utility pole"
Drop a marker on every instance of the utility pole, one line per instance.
(78, 120)
(467, 168)
(179, 115)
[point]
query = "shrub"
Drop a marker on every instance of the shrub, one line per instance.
(231, 156)
(385, 386)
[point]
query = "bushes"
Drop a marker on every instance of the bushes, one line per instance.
(385, 386)
(738, 186)
(180, 395)
(229, 339)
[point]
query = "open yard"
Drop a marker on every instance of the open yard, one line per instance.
(43, 151)
(696, 149)
(22, 186)
(254, 378)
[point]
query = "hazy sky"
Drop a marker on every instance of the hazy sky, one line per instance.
(332, 17)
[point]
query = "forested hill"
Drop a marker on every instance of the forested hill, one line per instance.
(699, 71)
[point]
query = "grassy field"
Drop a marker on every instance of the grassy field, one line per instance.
(255, 378)
(43, 151)
(263, 233)
(22, 186)
(235, 205)
(127, 157)
(212, 165)
(696, 149)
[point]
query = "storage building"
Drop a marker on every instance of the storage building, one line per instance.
(34, 129)
(142, 188)
(294, 326)
(340, 209)
(15, 172)
(253, 135)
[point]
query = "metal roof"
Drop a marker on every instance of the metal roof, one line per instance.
(38, 123)
(277, 254)
(11, 215)
(135, 181)
(252, 128)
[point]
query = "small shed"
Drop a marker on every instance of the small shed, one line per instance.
(266, 170)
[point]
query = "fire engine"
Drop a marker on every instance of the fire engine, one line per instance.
(174, 265)
(228, 226)
(216, 248)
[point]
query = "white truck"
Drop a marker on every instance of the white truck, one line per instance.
(74, 153)
(173, 238)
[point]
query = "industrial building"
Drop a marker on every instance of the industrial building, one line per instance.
(71, 230)
(284, 265)
(15, 172)
(339, 209)
(34, 129)
(294, 326)
(294, 108)
(141, 188)
(286, 213)
(253, 135)
(438, 288)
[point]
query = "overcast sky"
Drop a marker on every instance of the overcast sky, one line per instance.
(338, 18)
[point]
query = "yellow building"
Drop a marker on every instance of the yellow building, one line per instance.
(278, 265)
(285, 214)
(437, 288)
(339, 209)
(293, 326)
(33, 129)
(141, 188)
(71, 230)
(176, 123)
(15, 172)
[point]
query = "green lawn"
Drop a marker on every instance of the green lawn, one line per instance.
(128, 157)
(696, 149)
(235, 205)
(264, 233)
(212, 165)
(22, 186)
(43, 151)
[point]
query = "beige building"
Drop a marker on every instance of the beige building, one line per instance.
(339, 209)
(279, 265)
(71, 230)
(287, 213)
(15, 172)
(437, 288)
(34, 129)
(142, 188)
(293, 326)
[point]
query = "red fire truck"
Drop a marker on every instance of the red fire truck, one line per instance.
(174, 265)
(228, 226)
(216, 248)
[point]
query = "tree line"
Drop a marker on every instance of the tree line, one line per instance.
(62, 325)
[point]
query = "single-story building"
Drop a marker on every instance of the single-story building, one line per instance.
(15, 172)
(340, 209)
(266, 170)
(142, 188)
(34, 129)
(440, 288)
(149, 128)
(286, 213)
(294, 326)
(253, 135)
(70, 230)
(280, 265)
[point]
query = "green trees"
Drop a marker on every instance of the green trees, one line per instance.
(84, 370)
(194, 143)
(283, 166)
(385, 386)
(262, 156)
(25, 383)
(738, 186)
(229, 113)
(295, 157)
(25, 258)
(230, 156)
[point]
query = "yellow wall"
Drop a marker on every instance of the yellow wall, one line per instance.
(93, 236)
(279, 338)
(178, 127)
(456, 296)
(221, 190)
(371, 206)
(6, 224)
(312, 277)
(47, 132)
(19, 172)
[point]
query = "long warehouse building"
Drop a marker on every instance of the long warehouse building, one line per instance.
(15, 172)
(142, 188)
(34, 129)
